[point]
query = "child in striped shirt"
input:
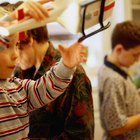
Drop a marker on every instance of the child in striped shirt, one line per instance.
(19, 97)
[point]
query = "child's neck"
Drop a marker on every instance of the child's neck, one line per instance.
(113, 59)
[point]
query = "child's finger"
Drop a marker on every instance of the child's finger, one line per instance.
(61, 48)
(83, 54)
(83, 59)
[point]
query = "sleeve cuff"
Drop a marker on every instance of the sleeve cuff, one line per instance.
(63, 71)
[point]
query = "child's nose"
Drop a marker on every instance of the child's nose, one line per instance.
(14, 54)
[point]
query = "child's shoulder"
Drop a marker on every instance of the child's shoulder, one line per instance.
(109, 73)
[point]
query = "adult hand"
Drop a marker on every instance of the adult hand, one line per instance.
(32, 9)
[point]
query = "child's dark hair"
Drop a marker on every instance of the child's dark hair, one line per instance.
(40, 35)
(126, 33)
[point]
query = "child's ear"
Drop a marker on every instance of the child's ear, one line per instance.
(119, 48)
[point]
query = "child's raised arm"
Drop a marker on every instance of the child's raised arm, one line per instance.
(55, 81)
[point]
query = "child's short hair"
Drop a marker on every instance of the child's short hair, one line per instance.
(40, 35)
(126, 33)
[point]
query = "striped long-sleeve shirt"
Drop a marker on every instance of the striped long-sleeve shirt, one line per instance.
(19, 97)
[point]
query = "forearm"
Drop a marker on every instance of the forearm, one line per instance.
(132, 123)
(49, 86)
